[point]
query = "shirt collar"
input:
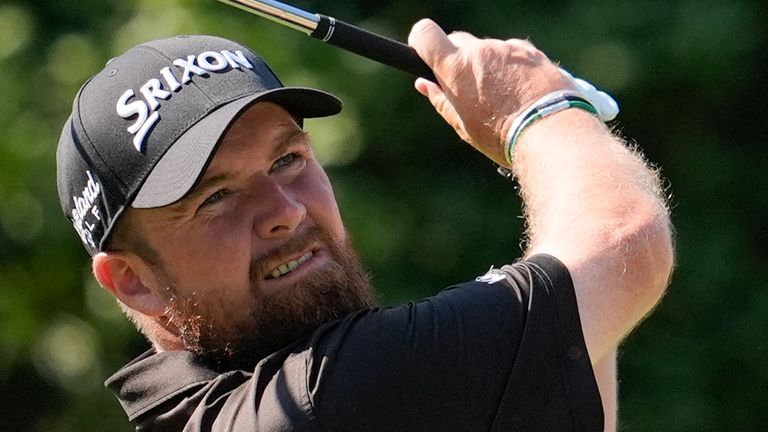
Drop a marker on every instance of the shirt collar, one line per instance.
(154, 378)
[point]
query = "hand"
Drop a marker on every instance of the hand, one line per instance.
(484, 83)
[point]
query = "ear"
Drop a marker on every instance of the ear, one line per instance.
(131, 280)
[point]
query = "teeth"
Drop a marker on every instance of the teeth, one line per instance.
(290, 266)
(305, 257)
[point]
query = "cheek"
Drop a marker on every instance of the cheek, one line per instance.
(320, 201)
(210, 259)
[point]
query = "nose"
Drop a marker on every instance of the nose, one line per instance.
(278, 213)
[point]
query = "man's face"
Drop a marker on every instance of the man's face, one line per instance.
(256, 256)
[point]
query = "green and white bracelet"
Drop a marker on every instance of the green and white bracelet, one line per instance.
(542, 108)
(585, 97)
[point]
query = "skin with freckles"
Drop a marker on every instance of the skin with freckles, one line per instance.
(263, 204)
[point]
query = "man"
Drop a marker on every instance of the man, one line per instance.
(186, 173)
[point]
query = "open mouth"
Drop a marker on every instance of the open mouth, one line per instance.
(288, 267)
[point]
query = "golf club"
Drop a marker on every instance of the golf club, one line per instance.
(346, 36)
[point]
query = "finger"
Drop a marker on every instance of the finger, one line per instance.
(421, 86)
(461, 38)
(430, 42)
(442, 105)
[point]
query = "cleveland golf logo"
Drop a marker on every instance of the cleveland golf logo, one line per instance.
(146, 108)
(86, 207)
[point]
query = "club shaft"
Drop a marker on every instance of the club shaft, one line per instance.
(338, 33)
(279, 12)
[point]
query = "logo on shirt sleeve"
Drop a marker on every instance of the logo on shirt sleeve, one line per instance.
(492, 276)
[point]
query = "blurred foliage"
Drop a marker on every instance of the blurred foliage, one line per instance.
(425, 210)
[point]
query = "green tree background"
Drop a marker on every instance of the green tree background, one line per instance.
(425, 210)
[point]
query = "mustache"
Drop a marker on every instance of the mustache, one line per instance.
(298, 243)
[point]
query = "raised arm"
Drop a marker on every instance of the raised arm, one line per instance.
(590, 200)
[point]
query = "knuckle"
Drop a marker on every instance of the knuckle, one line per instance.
(460, 36)
(522, 43)
(524, 50)
(488, 50)
(441, 105)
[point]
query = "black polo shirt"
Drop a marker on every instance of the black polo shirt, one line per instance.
(502, 353)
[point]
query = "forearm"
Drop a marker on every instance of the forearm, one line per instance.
(594, 203)
(607, 382)
(578, 180)
(589, 200)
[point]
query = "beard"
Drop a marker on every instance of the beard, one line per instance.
(275, 321)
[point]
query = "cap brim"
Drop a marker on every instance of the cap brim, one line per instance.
(183, 164)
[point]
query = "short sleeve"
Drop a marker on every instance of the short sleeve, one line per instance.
(552, 386)
(499, 353)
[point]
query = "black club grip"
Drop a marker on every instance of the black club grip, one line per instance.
(370, 45)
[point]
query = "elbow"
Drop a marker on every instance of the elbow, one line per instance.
(649, 260)
(620, 268)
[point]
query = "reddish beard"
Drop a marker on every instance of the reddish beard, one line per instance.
(275, 322)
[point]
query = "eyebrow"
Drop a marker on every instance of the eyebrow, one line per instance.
(205, 185)
(299, 137)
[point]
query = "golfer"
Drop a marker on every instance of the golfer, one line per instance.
(186, 173)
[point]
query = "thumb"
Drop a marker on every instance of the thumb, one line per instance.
(430, 42)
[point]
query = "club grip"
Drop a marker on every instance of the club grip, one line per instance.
(370, 45)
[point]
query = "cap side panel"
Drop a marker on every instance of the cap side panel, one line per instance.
(86, 199)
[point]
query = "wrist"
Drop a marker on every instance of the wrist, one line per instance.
(584, 97)
(562, 137)
(548, 105)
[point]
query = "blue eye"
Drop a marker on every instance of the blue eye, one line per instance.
(216, 197)
(285, 161)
